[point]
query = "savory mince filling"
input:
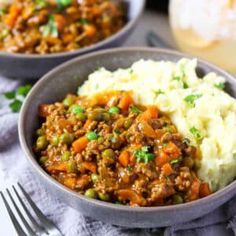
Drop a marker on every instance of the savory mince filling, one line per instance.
(51, 26)
(109, 148)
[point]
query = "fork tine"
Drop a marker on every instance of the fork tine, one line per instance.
(44, 221)
(17, 226)
(27, 226)
(33, 221)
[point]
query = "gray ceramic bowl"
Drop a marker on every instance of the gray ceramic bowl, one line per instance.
(65, 79)
(23, 66)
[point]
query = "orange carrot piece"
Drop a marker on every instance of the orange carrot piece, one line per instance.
(193, 193)
(150, 113)
(172, 150)
(132, 196)
(90, 30)
(60, 21)
(87, 124)
(167, 169)
(80, 144)
(204, 190)
(57, 167)
(11, 18)
(125, 101)
(70, 182)
(162, 158)
(124, 158)
(147, 130)
(88, 166)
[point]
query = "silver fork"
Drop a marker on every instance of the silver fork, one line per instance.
(22, 219)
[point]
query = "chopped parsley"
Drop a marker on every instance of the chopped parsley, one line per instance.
(63, 3)
(176, 161)
(83, 21)
(195, 132)
(50, 28)
(17, 96)
(130, 168)
(143, 155)
(134, 109)
(220, 86)
(158, 92)
(190, 99)
(41, 4)
(3, 11)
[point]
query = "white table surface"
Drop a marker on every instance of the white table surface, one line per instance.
(149, 21)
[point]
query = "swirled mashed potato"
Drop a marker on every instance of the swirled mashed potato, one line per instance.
(199, 108)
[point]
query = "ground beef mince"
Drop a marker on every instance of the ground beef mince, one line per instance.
(51, 26)
(109, 148)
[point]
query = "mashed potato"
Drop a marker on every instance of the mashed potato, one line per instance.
(199, 108)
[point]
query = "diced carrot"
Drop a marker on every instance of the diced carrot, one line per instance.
(130, 195)
(60, 21)
(125, 101)
(57, 167)
(147, 130)
(43, 110)
(172, 150)
(124, 158)
(162, 158)
(90, 30)
(87, 124)
(67, 37)
(11, 18)
(70, 182)
(204, 190)
(91, 166)
(167, 169)
(193, 193)
(80, 144)
(150, 113)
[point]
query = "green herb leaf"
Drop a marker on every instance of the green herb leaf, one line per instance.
(130, 168)
(3, 11)
(83, 21)
(117, 131)
(190, 99)
(220, 86)
(24, 90)
(158, 92)
(185, 85)
(134, 109)
(16, 105)
(195, 132)
(63, 3)
(50, 28)
(176, 161)
(41, 4)
(10, 95)
(142, 155)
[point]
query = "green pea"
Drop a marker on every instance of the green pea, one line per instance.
(71, 167)
(127, 123)
(68, 101)
(43, 159)
(100, 140)
(177, 199)
(108, 153)
(81, 116)
(91, 193)
(94, 177)
(114, 110)
(66, 156)
(76, 109)
(55, 140)
(67, 138)
(104, 197)
(39, 132)
(91, 135)
(41, 143)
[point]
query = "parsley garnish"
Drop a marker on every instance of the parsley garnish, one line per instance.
(16, 97)
(130, 168)
(142, 155)
(158, 92)
(220, 86)
(134, 109)
(83, 21)
(63, 3)
(190, 99)
(195, 132)
(50, 28)
(41, 4)
(3, 11)
(176, 161)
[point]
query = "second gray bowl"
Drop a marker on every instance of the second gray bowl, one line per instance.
(66, 79)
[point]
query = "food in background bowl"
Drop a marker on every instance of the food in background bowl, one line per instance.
(52, 26)
(109, 148)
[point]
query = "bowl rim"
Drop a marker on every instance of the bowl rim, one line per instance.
(119, 34)
(31, 158)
